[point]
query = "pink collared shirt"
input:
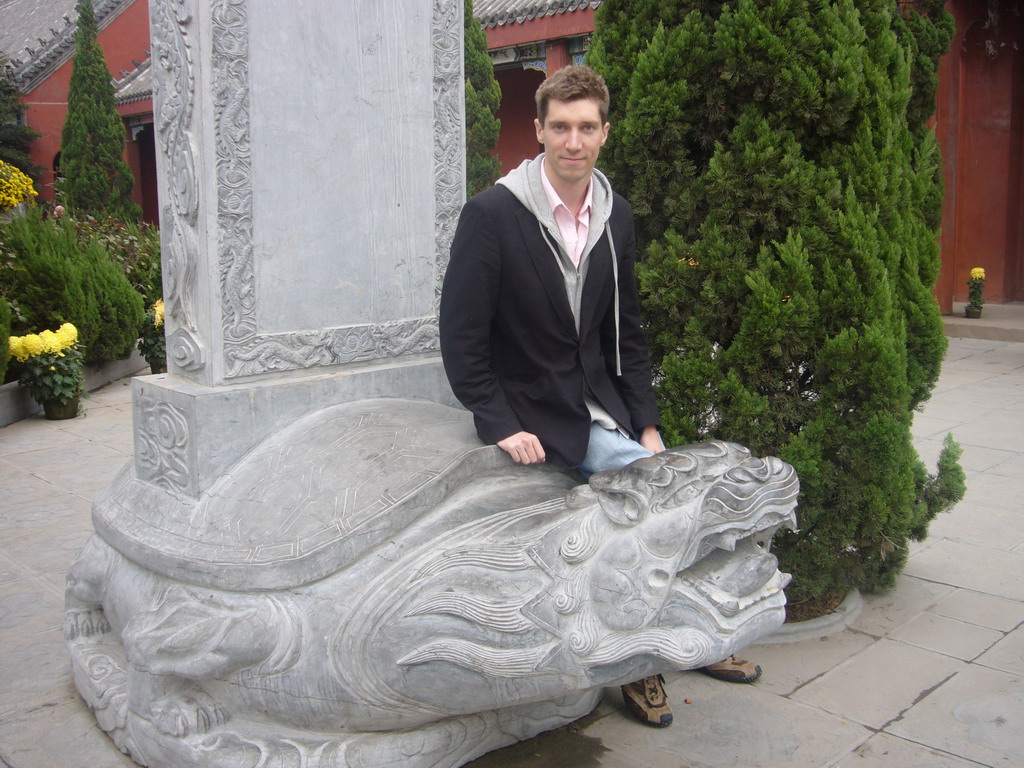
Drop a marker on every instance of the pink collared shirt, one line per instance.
(574, 229)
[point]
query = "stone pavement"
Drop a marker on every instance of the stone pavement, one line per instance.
(930, 674)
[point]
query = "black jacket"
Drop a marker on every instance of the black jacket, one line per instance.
(508, 337)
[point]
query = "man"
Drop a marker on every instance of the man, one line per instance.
(540, 317)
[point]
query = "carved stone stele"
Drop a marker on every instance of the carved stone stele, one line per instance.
(372, 587)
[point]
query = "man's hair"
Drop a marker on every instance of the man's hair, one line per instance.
(570, 84)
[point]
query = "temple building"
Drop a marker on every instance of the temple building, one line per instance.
(979, 119)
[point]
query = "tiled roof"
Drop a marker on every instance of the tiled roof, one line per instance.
(492, 13)
(39, 35)
(135, 85)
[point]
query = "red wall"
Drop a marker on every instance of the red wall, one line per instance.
(518, 139)
(980, 126)
(126, 38)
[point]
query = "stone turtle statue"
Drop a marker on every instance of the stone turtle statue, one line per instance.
(372, 587)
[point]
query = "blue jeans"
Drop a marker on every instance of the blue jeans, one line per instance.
(609, 449)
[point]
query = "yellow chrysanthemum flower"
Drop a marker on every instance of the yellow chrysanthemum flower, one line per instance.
(51, 342)
(978, 273)
(158, 313)
(33, 345)
(17, 348)
(68, 334)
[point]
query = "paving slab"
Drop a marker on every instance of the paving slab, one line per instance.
(566, 747)
(935, 427)
(787, 666)
(22, 486)
(884, 612)
(730, 725)
(885, 751)
(48, 550)
(35, 671)
(116, 393)
(108, 425)
(32, 434)
(58, 735)
(27, 607)
(994, 490)
(973, 459)
(951, 637)
(59, 511)
(1012, 467)
(981, 609)
(11, 571)
(979, 524)
(982, 569)
(81, 466)
(977, 715)
(879, 683)
(1007, 654)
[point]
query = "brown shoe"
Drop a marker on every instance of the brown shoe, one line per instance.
(733, 670)
(647, 702)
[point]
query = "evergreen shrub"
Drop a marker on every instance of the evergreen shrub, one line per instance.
(5, 333)
(51, 279)
(96, 177)
(135, 248)
(483, 97)
(786, 221)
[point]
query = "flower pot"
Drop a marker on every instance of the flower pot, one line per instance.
(972, 311)
(55, 409)
(157, 364)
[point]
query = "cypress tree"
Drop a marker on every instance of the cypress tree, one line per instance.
(483, 97)
(96, 177)
(786, 224)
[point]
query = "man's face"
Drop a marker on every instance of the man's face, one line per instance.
(572, 136)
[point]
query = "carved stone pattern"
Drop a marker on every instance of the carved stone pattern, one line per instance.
(186, 350)
(449, 173)
(246, 352)
(333, 346)
(161, 457)
(174, 94)
(234, 170)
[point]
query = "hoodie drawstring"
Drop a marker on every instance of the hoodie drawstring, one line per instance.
(615, 277)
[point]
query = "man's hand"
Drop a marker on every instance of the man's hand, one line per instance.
(650, 439)
(523, 447)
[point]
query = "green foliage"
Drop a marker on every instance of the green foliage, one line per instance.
(15, 140)
(96, 177)
(926, 28)
(55, 376)
(483, 97)
(51, 278)
(152, 341)
(120, 307)
(5, 332)
(135, 248)
(786, 219)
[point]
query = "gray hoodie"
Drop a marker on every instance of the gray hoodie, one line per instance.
(525, 183)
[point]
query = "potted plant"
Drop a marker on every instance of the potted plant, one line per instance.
(50, 368)
(975, 287)
(152, 343)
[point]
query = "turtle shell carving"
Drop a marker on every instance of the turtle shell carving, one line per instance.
(373, 583)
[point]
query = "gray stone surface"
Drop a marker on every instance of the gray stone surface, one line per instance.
(277, 260)
(879, 683)
(373, 581)
(978, 715)
(38, 700)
